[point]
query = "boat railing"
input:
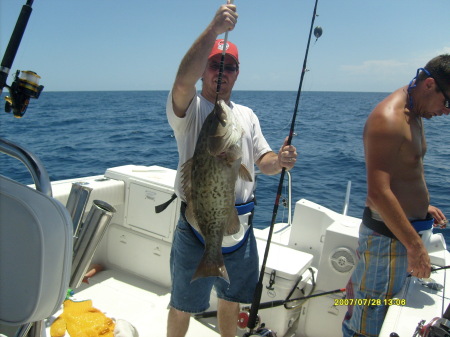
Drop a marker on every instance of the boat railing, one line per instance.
(33, 164)
(347, 198)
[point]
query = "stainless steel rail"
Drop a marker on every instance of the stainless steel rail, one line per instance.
(347, 197)
(33, 164)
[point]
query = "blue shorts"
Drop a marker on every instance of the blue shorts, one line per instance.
(379, 274)
(242, 267)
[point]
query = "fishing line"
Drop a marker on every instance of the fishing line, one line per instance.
(258, 291)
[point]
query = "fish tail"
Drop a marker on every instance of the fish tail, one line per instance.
(208, 268)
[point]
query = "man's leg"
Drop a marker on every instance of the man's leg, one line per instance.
(379, 274)
(186, 297)
(177, 323)
(227, 314)
(243, 270)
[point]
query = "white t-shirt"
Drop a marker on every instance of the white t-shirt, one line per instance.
(187, 129)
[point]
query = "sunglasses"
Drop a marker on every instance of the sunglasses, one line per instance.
(447, 99)
(228, 68)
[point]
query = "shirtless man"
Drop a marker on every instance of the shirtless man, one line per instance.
(390, 245)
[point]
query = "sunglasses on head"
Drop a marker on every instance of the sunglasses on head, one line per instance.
(447, 99)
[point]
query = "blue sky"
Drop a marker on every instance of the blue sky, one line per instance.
(137, 44)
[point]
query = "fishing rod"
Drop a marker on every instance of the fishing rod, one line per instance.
(439, 268)
(252, 321)
(26, 83)
(222, 62)
(436, 269)
(277, 303)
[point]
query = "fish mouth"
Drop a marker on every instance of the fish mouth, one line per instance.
(220, 155)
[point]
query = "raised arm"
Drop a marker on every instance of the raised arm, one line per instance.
(194, 62)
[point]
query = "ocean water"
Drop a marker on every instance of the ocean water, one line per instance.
(77, 134)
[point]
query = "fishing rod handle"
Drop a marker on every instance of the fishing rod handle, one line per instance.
(253, 317)
(14, 42)
(225, 39)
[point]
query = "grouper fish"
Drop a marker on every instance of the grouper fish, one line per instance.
(208, 181)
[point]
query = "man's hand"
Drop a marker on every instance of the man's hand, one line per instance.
(225, 19)
(439, 217)
(287, 156)
(419, 262)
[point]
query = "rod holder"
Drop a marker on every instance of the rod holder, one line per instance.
(76, 205)
(91, 233)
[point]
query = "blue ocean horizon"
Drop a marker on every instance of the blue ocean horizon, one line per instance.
(77, 134)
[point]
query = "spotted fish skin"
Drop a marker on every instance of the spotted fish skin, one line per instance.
(208, 181)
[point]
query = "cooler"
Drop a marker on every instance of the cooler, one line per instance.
(286, 269)
(146, 188)
(143, 239)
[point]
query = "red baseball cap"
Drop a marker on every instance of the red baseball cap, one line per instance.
(230, 49)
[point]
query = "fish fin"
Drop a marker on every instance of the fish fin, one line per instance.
(186, 183)
(244, 173)
(234, 223)
(207, 269)
(190, 217)
(186, 179)
(234, 153)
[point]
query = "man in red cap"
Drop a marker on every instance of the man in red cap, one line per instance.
(186, 111)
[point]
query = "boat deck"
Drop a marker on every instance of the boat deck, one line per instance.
(121, 295)
(420, 300)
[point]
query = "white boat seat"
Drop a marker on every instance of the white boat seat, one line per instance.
(35, 253)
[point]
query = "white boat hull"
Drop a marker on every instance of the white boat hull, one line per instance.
(317, 253)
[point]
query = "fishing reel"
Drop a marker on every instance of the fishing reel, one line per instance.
(260, 331)
(437, 327)
(25, 86)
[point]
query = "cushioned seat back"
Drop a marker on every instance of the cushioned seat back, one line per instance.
(35, 253)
